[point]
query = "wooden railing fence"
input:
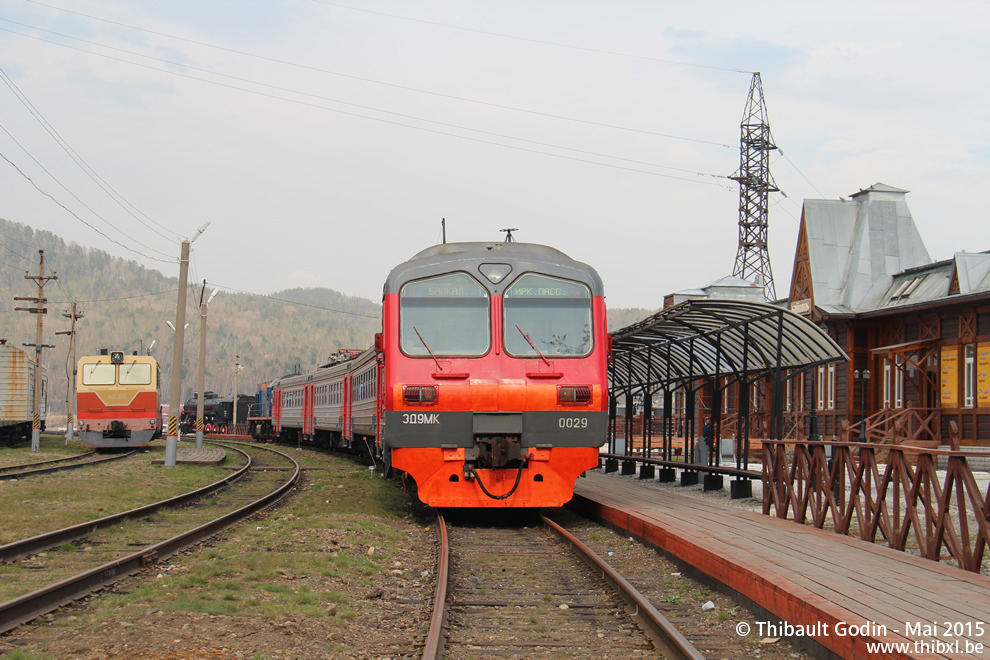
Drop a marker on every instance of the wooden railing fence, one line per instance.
(904, 501)
(910, 425)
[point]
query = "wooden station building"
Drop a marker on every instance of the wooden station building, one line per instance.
(917, 334)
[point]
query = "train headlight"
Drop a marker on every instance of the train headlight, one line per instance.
(573, 395)
(151, 422)
(419, 395)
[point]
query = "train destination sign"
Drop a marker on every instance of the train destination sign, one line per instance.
(448, 286)
(540, 286)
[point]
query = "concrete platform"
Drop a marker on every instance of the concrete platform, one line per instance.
(194, 456)
(824, 582)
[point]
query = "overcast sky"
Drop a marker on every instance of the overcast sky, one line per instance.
(325, 140)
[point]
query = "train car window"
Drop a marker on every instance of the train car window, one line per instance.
(99, 374)
(446, 315)
(554, 314)
(135, 373)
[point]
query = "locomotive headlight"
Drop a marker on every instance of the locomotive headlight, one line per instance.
(495, 272)
(419, 395)
(573, 395)
(151, 422)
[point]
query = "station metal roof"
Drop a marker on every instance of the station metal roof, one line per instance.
(717, 338)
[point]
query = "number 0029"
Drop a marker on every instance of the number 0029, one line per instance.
(573, 422)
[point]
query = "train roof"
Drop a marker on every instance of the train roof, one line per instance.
(324, 372)
(523, 257)
(126, 357)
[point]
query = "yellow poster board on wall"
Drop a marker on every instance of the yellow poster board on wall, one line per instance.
(983, 374)
(950, 377)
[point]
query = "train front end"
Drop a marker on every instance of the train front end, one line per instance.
(495, 374)
(117, 400)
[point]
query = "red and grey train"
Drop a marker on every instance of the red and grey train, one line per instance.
(487, 384)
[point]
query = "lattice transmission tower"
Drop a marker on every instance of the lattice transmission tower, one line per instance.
(755, 186)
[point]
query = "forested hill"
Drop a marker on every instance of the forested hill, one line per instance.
(126, 306)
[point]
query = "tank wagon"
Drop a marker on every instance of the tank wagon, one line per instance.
(487, 384)
(118, 401)
(17, 382)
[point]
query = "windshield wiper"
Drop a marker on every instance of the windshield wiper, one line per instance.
(530, 342)
(439, 368)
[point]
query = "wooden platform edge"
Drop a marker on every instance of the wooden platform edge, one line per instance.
(774, 594)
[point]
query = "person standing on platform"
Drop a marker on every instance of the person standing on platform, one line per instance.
(708, 433)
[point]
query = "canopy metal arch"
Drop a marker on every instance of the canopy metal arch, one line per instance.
(719, 332)
(708, 340)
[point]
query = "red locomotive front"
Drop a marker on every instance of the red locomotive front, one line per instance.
(495, 378)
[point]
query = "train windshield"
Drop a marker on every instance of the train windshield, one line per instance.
(135, 373)
(99, 374)
(446, 315)
(546, 315)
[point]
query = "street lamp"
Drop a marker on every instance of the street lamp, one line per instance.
(237, 369)
(863, 378)
(203, 308)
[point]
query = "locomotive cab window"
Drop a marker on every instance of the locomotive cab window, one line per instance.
(99, 374)
(547, 315)
(135, 374)
(445, 316)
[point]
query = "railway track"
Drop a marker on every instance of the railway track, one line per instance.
(39, 583)
(518, 591)
(56, 465)
(668, 594)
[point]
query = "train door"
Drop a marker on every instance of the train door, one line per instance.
(346, 411)
(380, 402)
(307, 410)
(384, 451)
(276, 411)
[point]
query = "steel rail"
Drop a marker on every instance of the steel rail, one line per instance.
(663, 632)
(59, 468)
(50, 539)
(25, 608)
(7, 468)
(433, 648)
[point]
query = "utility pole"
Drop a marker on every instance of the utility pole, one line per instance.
(203, 308)
(70, 396)
(755, 186)
(40, 310)
(175, 393)
(237, 369)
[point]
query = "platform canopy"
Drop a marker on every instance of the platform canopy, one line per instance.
(716, 339)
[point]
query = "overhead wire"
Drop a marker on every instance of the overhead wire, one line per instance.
(137, 295)
(79, 160)
(528, 39)
(418, 90)
(294, 302)
(796, 169)
(363, 107)
(67, 209)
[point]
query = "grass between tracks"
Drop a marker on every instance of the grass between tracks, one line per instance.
(42, 503)
(308, 558)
